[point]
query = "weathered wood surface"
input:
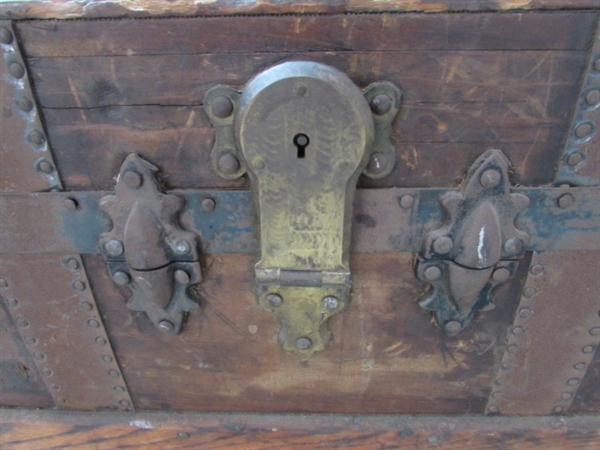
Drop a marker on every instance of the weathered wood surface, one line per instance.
(32, 430)
(62, 9)
(470, 82)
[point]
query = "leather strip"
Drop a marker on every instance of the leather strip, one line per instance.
(555, 333)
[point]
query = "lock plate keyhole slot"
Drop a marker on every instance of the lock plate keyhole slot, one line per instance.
(301, 141)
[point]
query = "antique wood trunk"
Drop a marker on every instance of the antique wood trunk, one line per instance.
(271, 224)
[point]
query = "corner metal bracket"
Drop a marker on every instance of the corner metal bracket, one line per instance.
(477, 249)
(147, 250)
(304, 133)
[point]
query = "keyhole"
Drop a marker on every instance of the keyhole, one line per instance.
(301, 141)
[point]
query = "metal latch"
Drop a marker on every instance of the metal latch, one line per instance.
(147, 250)
(304, 133)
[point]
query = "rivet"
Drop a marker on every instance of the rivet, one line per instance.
(6, 36)
(166, 325)
(208, 204)
(228, 163)
(55, 387)
(274, 300)
(499, 382)
(300, 90)
(494, 409)
(36, 137)
(45, 167)
(180, 247)
(490, 178)
(16, 70)
(132, 179)
(573, 381)
(433, 439)
(513, 246)
(221, 106)
(432, 273)
(536, 269)
(114, 247)
(378, 162)
(442, 245)
(113, 373)
(121, 278)
(93, 323)
(46, 372)
(407, 201)
(529, 292)
(182, 277)
(72, 264)
(119, 388)
(512, 349)
(78, 285)
(381, 104)
(62, 401)
(86, 306)
(518, 331)
(303, 343)
(12, 302)
(3, 283)
(496, 394)
(330, 302)
(183, 435)
(30, 340)
(558, 410)
(583, 130)
(566, 200)
(100, 340)
(25, 104)
(595, 331)
(125, 403)
(580, 366)
(22, 322)
(506, 366)
(592, 97)
(107, 358)
(588, 349)
(501, 274)
(525, 313)
(566, 395)
(574, 158)
(452, 326)
(259, 164)
(39, 356)
(70, 204)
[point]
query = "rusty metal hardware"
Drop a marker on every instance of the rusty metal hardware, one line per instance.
(147, 250)
(476, 250)
(304, 133)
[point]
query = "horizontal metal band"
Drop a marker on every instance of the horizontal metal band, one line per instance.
(385, 220)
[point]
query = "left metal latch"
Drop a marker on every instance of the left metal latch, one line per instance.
(147, 250)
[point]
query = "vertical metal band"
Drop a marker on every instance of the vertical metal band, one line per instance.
(580, 162)
(553, 338)
(27, 163)
(50, 301)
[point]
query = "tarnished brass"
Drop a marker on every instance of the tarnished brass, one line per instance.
(304, 133)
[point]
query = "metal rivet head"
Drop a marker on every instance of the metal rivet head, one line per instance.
(536, 269)
(228, 163)
(208, 204)
(132, 179)
(55, 387)
(183, 435)
(506, 366)
(125, 403)
(518, 331)
(452, 326)
(442, 245)
(588, 349)
(45, 167)
(36, 137)
(39, 356)
(70, 204)
(107, 358)
(86, 306)
(529, 292)
(30, 340)
(16, 70)
(595, 331)
(381, 104)
(496, 394)
(274, 300)
(512, 349)
(100, 340)
(78, 285)
(46, 372)
(490, 178)
(119, 388)
(3, 283)
(432, 273)
(62, 401)
(377, 163)
(113, 373)
(12, 302)
(407, 201)
(22, 322)
(525, 313)
(303, 343)
(93, 323)
(25, 104)
(513, 246)
(182, 277)
(583, 130)
(114, 247)
(6, 36)
(494, 409)
(574, 158)
(166, 325)
(221, 106)
(566, 200)
(558, 410)
(501, 274)
(72, 264)
(330, 302)
(573, 381)
(592, 97)
(566, 395)
(180, 247)
(121, 278)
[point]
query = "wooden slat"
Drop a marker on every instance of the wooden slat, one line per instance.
(32, 430)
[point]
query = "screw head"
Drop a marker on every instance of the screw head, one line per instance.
(452, 326)
(381, 104)
(566, 200)
(442, 245)
(432, 273)
(378, 162)
(180, 247)
(574, 158)
(274, 300)
(25, 104)
(330, 302)
(221, 106)
(209, 204)
(501, 274)
(3, 283)
(407, 201)
(303, 343)
(490, 178)
(114, 247)
(228, 163)
(166, 325)
(6, 36)
(182, 277)
(36, 137)
(121, 278)
(16, 70)
(132, 179)
(513, 246)
(583, 130)
(592, 97)
(45, 167)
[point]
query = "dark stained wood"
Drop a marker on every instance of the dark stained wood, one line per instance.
(386, 356)
(32, 430)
